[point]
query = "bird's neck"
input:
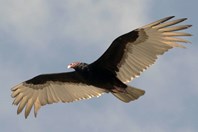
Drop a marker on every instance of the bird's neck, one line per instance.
(82, 67)
(83, 70)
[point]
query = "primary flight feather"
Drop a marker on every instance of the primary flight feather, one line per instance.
(128, 56)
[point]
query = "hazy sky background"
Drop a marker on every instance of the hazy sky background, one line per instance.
(43, 36)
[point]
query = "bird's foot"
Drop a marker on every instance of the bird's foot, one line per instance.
(118, 89)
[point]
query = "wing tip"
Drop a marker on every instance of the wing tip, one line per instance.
(16, 87)
(170, 17)
(189, 25)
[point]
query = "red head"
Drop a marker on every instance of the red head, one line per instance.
(73, 65)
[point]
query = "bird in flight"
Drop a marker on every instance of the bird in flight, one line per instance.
(128, 56)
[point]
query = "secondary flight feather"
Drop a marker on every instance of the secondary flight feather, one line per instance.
(126, 58)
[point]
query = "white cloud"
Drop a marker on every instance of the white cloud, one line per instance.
(25, 21)
(104, 14)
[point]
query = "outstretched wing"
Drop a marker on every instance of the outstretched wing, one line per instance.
(52, 88)
(133, 52)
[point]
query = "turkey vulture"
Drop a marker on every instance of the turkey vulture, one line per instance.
(128, 56)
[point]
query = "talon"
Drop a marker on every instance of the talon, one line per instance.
(118, 89)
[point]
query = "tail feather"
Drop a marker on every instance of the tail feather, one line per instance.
(131, 94)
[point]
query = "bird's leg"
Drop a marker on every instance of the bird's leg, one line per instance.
(119, 89)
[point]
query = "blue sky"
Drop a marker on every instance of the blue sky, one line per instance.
(44, 36)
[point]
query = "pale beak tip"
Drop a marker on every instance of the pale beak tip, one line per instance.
(68, 66)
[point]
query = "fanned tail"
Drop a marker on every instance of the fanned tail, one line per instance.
(131, 94)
